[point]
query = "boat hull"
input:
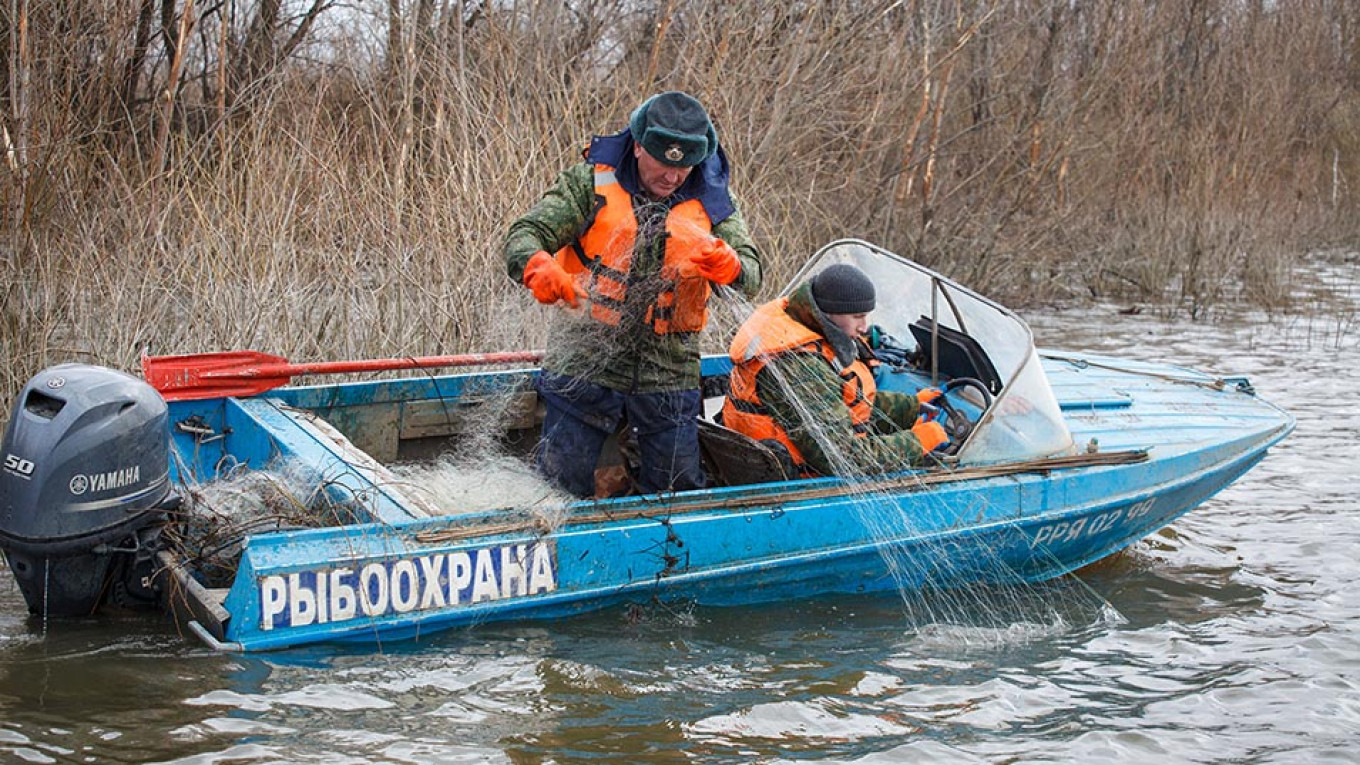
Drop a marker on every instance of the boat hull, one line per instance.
(724, 547)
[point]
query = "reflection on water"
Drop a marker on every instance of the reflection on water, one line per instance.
(1232, 636)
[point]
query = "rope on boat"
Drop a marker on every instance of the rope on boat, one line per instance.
(907, 483)
(1216, 384)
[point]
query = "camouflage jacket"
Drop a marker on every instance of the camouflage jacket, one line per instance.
(630, 357)
(803, 394)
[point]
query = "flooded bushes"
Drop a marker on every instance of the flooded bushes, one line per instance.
(344, 194)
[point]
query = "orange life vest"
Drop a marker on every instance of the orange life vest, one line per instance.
(769, 333)
(603, 253)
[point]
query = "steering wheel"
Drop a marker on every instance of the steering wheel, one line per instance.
(954, 420)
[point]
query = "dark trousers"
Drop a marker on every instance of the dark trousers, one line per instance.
(581, 415)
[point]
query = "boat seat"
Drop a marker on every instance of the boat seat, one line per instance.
(736, 459)
(960, 355)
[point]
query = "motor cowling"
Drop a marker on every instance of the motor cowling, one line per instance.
(85, 468)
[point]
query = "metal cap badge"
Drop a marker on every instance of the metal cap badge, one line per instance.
(674, 153)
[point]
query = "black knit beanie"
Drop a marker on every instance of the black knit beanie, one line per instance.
(842, 288)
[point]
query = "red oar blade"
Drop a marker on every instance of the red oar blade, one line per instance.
(246, 373)
(211, 375)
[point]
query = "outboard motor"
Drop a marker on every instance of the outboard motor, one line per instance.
(83, 484)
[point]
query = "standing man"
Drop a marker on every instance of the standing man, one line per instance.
(799, 378)
(630, 242)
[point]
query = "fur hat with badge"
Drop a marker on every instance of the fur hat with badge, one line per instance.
(674, 128)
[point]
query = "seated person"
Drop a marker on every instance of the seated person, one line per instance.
(800, 378)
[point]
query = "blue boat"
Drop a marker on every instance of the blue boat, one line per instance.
(1057, 459)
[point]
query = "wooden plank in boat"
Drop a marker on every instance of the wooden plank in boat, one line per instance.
(446, 417)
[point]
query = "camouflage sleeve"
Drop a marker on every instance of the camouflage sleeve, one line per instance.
(810, 408)
(895, 411)
(553, 222)
(733, 231)
(803, 395)
(891, 445)
(885, 453)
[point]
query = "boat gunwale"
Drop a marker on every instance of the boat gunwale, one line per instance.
(774, 494)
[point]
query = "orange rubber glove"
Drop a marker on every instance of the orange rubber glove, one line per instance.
(930, 434)
(927, 395)
(717, 262)
(549, 281)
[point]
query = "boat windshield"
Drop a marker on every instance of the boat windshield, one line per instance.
(1023, 420)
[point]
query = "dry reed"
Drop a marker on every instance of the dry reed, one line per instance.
(313, 197)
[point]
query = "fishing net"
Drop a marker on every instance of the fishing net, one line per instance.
(217, 516)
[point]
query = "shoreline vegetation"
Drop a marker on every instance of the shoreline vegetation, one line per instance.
(329, 181)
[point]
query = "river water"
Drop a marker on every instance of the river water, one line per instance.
(1231, 636)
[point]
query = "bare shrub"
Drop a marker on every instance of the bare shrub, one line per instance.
(334, 185)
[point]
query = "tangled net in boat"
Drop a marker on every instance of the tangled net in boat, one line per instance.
(461, 484)
(217, 516)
